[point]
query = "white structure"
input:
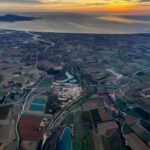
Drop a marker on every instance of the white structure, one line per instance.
(66, 91)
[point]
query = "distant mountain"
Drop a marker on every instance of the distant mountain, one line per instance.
(14, 18)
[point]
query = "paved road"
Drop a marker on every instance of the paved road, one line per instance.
(37, 37)
(22, 108)
(58, 118)
(131, 76)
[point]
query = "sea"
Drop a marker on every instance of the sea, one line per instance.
(81, 23)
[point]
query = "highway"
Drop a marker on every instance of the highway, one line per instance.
(25, 97)
(131, 76)
(34, 89)
(22, 108)
(37, 37)
(59, 117)
(20, 113)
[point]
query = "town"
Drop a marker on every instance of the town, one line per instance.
(90, 90)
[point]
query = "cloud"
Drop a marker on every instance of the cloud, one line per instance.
(82, 3)
(144, 0)
(88, 2)
(20, 1)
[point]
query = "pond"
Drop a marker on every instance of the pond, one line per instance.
(34, 107)
(39, 101)
(65, 142)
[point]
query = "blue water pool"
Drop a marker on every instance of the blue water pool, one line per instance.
(39, 101)
(35, 107)
(65, 141)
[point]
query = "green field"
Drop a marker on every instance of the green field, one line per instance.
(4, 112)
(69, 119)
(46, 82)
(77, 135)
(95, 115)
(121, 106)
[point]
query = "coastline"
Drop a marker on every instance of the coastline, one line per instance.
(73, 33)
(79, 23)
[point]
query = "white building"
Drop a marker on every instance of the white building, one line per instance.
(66, 91)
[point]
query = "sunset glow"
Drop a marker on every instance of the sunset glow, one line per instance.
(87, 6)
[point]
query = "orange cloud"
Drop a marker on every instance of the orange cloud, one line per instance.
(95, 6)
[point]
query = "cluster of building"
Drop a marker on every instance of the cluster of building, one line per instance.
(91, 57)
(15, 78)
(66, 91)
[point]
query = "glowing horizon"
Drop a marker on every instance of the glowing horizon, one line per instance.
(83, 6)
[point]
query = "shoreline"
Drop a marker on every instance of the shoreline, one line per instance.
(74, 33)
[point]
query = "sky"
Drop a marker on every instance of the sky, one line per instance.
(138, 7)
